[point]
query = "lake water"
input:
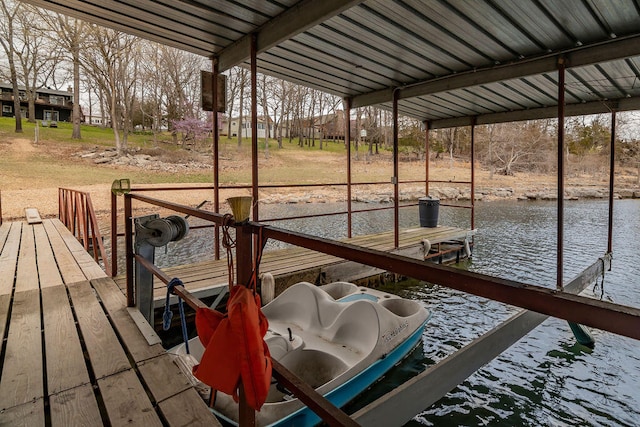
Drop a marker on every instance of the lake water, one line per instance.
(544, 379)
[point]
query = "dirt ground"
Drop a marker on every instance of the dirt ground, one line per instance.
(20, 192)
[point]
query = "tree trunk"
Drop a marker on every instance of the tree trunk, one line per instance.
(76, 93)
(31, 100)
(241, 101)
(16, 98)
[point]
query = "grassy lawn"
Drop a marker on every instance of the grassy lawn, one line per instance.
(53, 161)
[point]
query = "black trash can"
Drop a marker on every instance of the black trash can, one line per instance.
(428, 208)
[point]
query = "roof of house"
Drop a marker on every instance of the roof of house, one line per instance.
(448, 61)
(41, 90)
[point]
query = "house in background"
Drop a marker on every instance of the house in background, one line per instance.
(246, 127)
(51, 105)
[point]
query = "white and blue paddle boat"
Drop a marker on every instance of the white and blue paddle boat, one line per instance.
(339, 338)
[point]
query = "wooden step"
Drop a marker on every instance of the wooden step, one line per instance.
(33, 216)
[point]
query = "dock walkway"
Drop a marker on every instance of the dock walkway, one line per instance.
(210, 278)
(71, 354)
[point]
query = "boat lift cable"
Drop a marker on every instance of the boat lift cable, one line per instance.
(595, 287)
(167, 315)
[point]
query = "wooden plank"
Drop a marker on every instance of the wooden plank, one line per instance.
(144, 327)
(69, 268)
(27, 273)
(66, 367)
(48, 273)
(76, 407)
(187, 409)
(5, 303)
(204, 277)
(22, 371)
(88, 265)
(4, 232)
(126, 401)
(30, 414)
(115, 303)
(33, 216)
(163, 377)
(105, 353)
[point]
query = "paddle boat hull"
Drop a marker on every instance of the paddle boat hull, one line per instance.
(339, 338)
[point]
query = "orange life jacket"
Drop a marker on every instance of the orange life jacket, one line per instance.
(234, 348)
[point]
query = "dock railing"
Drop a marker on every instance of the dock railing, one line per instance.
(332, 415)
(349, 212)
(76, 212)
(612, 317)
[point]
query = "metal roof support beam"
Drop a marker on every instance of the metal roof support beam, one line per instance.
(560, 233)
(607, 51)
(394, 180)
(583, 109)
(216, 156)
(473, 173)
(254, 126)
(427, 126)
(293, 21)
(612, 168)
(347, 141)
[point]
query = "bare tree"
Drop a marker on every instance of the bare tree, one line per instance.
(233, 90)
(109, 60)
(518, 144)
(269, 103)
(243, 79)
(8, 22)
(179, 74)
(68, 33)
(37, 56)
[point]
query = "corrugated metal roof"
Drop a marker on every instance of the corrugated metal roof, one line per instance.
(450, 59)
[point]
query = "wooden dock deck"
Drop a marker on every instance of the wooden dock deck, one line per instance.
(288, 266)
(71, 355)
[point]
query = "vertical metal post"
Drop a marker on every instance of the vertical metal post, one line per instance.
(254, 126)
(114, 234)
(244, 261)
(560, 237)
(216, 157)
(128, 243)
(473, 173)
(426, 157)
(347, 141)
(144, 277)
(396, 192)
(612, 165)
(244, 254)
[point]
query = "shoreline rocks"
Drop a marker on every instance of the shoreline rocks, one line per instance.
(451, 194)
(108, 156)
